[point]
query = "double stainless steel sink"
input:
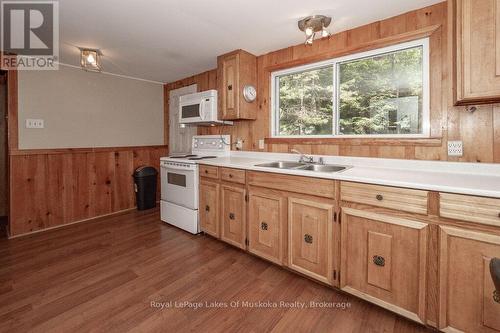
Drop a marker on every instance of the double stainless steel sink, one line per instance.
(304, 166)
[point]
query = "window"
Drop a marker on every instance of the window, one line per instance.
(380, 93)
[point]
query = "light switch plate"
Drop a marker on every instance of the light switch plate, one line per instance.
(261, 144)
(455, 148)
(34, 123)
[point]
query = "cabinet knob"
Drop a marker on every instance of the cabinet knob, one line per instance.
(379, 197)
(379, 261)
(230, 87)
(230, 176)
(263, 226)
(308, 239)
(231, 216)
(207, 208)
(206, 171)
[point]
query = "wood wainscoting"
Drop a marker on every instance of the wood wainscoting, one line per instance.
(54, 187)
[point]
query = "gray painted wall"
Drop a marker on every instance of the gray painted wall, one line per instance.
(84, 109)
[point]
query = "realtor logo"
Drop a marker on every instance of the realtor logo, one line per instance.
(29, 35)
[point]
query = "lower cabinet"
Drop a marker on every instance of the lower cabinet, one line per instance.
(209, 207)
(468, 301)
(266, 222)
(310, 238)
(383, 260)
(233, 227)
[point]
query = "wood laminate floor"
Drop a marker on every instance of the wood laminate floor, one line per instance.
(103, 276)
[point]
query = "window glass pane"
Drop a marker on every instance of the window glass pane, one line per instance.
(305, 102)
(382, 94)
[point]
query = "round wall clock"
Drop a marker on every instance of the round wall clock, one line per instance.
(249, 93)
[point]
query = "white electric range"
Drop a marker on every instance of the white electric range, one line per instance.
(180, 177)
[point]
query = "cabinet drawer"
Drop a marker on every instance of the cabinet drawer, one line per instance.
(471, 209)
(413, 201)
(209, 171)
(232, 175)
(383, 260)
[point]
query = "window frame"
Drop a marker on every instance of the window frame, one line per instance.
(334, 63)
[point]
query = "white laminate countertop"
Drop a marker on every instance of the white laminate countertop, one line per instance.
(463, 178)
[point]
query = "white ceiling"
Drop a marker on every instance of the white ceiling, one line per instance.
(166, 40)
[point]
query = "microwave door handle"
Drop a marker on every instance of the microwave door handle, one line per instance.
(202, 110)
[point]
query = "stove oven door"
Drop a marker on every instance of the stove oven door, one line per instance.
(179, 186)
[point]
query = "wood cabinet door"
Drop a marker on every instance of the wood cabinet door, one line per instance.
(209, 208)
(383, 260)
(233, 215)
(266, 214)
(230, 87)
(478, 50)
(466, 293)
(310, 238)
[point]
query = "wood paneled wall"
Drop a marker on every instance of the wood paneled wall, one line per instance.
(479, 131)
(56, 187)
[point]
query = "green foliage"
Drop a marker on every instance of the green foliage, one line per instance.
(306, 102)
(377, 95)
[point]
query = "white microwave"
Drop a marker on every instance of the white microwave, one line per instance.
(199, 109)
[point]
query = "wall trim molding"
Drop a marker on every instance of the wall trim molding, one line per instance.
(53, 151)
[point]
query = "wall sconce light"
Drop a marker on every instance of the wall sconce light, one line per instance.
(314, 24)
(90, 60)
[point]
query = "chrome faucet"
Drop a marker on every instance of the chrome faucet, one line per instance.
(303, 157)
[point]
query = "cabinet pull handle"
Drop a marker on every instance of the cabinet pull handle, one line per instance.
(263, 226)
(231, 216)
(495, 276)
(379, 261)
(230, 87)
(308, 239)
(207, 208)
(379, 197)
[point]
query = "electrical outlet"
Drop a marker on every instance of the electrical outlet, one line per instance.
(261, 144)
(239, 144)
(455, 148)
(34, 123)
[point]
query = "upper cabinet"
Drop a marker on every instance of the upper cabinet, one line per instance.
(237, 83)
(477, 51)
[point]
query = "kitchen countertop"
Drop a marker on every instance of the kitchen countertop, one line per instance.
(463, 178)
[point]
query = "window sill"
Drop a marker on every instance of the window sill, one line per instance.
(426, 142)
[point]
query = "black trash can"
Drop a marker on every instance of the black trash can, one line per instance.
(145, 187)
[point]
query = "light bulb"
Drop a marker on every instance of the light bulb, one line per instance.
(325, 33)
(309, 31)
(90, 58)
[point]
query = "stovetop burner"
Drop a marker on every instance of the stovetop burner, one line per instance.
(201, 158)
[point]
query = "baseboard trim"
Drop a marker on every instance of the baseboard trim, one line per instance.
(120, 212)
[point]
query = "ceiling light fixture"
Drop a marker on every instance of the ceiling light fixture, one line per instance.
(90, 60)
(313, 24)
